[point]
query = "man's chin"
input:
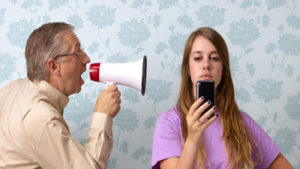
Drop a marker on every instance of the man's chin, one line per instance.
(77, 91)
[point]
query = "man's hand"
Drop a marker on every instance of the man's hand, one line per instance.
(109, 101)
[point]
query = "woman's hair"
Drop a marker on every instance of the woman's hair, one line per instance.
(239, 142)
(45, 42)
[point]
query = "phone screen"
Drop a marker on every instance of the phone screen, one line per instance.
(207, 90)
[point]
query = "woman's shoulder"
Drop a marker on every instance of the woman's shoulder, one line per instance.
(172, 115)
(167, 136)
(251, 124)
(266, 146)
(246, 117)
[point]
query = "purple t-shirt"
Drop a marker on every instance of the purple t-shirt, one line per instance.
(168, 141)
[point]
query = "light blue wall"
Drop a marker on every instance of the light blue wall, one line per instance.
(263, 39)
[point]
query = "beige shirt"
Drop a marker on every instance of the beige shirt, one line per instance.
(34, 134)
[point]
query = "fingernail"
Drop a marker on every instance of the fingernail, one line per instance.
(215, 107)
(201, 97)
(209, 102)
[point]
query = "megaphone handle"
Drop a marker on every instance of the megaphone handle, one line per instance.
(107, 84)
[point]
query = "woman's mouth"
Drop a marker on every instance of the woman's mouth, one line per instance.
(206, 77)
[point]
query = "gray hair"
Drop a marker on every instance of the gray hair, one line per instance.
(45, 42)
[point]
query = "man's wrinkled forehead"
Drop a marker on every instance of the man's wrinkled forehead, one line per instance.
(71, 39)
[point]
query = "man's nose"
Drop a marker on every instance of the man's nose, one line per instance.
(86, 59)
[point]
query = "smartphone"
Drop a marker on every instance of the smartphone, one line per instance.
(207, 90)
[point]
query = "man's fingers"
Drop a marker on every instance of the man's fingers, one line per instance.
(112, 87)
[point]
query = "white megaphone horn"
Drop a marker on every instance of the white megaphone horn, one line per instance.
(132, 74)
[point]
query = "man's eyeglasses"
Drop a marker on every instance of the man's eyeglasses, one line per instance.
(82, 52)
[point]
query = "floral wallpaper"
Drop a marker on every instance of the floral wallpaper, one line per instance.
(263, 38)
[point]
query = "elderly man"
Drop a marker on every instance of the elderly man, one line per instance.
(33, 132)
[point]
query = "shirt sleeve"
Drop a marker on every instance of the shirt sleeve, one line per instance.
(57, 149)
(266, 147)
(167, 138)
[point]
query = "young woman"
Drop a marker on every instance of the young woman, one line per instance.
(230, 139)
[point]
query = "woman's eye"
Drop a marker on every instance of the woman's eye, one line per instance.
(215, 58)
(197, 58)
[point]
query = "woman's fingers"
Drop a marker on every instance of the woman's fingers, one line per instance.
(196, 125)
(195, 106)
(201, 110)
(207, 116)
(209, 121)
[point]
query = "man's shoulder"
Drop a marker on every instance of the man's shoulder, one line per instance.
(19, 88)
(12, 85)
(25, 111)
(39, 116)
(32, 103)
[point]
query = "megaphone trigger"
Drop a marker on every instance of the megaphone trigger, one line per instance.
(107, 84)
(132, 74)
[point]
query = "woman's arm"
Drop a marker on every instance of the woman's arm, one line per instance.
(187, 159)
(280, 162)
(196, 126)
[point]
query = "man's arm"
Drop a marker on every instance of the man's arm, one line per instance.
(57, 148)
(100, 138)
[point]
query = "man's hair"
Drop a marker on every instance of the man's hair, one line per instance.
(45, 42)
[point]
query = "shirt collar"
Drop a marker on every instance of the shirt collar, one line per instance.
(56, 97)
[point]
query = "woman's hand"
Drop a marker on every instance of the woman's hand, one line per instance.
(196, 125)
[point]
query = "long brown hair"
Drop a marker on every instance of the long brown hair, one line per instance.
(239, 142)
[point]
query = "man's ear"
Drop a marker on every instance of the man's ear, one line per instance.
(53, 66)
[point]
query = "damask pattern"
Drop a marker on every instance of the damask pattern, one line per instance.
(263, 39)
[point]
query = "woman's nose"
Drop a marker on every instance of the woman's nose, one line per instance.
(206, 63)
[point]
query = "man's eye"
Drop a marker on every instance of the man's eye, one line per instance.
(82, 50)
(77, 51)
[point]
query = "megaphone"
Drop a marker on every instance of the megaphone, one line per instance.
(132, 74)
